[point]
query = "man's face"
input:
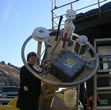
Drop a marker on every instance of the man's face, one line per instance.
(32, 60)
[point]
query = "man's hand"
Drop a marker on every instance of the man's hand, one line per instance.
(26, 88)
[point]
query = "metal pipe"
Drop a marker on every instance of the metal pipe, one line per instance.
(71, 6)
(52, 4)
(89, 5)
(38, 54)
(65, 4)
(52, 20)
(75, 10)
(51, 82)
(55, 3)
(25, 63)
(76, 35)
(92, 15)
(60, 92)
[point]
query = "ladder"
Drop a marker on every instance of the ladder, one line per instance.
(102, 79)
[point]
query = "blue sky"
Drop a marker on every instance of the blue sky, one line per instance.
(18, 19)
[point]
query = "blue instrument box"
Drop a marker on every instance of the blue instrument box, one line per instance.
(67, 67)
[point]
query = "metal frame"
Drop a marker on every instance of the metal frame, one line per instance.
(101, 90)
(51, 82)
(54, 7)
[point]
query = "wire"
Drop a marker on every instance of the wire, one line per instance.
(58, 30)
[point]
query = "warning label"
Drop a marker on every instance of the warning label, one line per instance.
(69, 63)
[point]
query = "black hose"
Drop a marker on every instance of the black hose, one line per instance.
(58, 30)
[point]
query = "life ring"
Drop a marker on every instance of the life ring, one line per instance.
(90, 102)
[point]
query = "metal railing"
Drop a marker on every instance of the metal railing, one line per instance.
(54, 7)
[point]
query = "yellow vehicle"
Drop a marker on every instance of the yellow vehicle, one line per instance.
(11, 105)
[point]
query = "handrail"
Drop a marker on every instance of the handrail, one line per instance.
(90, 5)
(98, 3)
(92, 15)
(65, 5)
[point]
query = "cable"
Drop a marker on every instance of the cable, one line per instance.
(58, 30)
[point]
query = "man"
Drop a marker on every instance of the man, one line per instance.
(28, 97)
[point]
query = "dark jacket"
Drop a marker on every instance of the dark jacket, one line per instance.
(27, 100)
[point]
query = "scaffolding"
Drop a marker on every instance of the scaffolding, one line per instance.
(55, 7)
